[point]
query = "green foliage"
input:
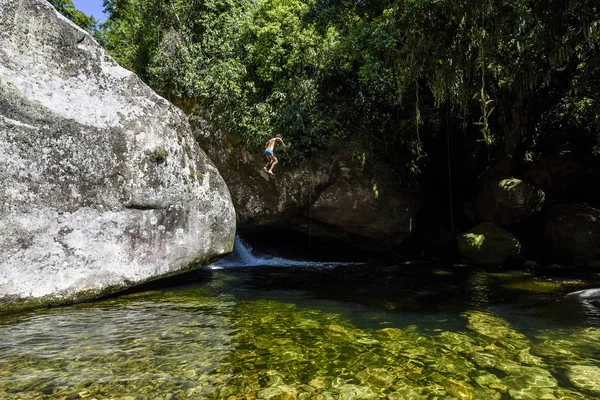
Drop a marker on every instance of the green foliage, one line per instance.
(378, 73)
(66, 8)
(159, 155)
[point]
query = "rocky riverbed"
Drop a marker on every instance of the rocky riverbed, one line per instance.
(282, 333)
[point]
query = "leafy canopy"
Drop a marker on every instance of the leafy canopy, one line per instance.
(390, 75)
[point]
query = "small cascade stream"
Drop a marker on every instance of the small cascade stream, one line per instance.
(243, 255)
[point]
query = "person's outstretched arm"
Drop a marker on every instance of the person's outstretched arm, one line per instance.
(281, 140)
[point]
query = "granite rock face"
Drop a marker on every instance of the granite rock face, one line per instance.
(103, 185)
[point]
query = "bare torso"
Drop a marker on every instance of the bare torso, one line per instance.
(271, 144)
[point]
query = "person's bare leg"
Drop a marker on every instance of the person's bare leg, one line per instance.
(270, 171)
(269, 161)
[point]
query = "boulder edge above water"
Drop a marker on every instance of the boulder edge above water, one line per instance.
(488, 245)
(104, 186)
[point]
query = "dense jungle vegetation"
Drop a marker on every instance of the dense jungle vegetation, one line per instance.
(514, 79)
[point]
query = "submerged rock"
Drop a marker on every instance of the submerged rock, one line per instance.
(572, 234)
(508, 201)
(375, 376)
(487, 244)
(104, 186)
(585, 377)
(534, 286)
(529, 379)
(460, 390)
(337, 332)
(490, 326)
(392, 334)
(356, 392)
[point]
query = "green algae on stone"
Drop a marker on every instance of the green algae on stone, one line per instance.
(355, 392)
(535, 286)
(337, 332)
(484, 360)
(405, 394)
(490, 326)
(442, 272)
(457, 342)
(487, 394)
(223, 349)
(486, 379)
(585, 377)
(392, 334)
(460, 390)
(487, 244)
(503, 276)
(525, 357)
(375, 376)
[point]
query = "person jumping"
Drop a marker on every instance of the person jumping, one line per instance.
(271, 159)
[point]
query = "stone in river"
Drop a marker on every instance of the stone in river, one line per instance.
(585, 377)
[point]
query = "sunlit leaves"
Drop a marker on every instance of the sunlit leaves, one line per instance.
(66, 8)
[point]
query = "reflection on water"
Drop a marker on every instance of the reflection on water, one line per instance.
(336, 333)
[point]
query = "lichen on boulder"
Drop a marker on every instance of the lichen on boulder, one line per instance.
(95, 166)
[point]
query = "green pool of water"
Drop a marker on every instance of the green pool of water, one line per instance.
(363, 332)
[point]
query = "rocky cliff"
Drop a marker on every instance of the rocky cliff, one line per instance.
(103, 184)
(331, 195)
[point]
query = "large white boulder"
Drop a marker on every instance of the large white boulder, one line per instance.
(102, 185)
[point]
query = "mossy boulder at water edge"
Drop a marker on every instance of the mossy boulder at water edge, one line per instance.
(104, 186)
(572, 234)
(508, 201)
(487, 244)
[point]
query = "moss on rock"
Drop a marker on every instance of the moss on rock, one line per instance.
(487, 244)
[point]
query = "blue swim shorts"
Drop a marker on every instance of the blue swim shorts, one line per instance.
(268, 152)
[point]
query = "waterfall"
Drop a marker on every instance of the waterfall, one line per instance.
(244, 256)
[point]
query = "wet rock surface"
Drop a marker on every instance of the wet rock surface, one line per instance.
(508, 201)
(585, 377)
(104, 186)
(487, 244)
(572, 234)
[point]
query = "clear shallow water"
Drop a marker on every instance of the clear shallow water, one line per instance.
(345, 332)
